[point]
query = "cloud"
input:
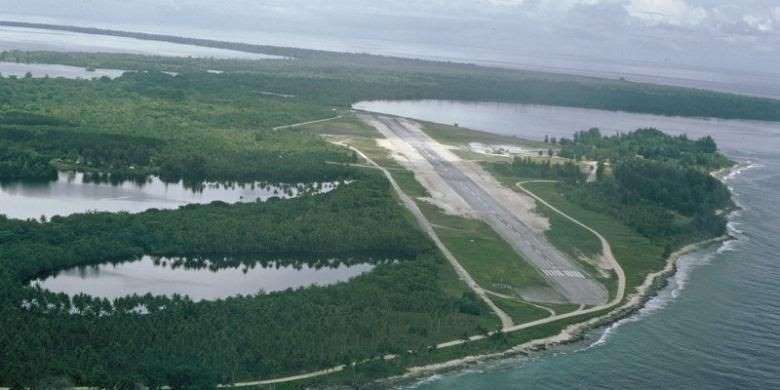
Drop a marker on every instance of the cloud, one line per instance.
(505, 3)
(673, 12)
(759, 23)
(544, 7)
(740, 32)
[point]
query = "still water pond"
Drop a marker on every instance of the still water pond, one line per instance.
(74, 192)
(200, 281)
(50, 70)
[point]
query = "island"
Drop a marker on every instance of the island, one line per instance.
(479, 245)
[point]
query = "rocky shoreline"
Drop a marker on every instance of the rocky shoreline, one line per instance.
(634, 302)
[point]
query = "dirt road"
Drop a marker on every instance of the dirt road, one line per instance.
(506, 320)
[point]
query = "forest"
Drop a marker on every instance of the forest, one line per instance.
(400, 305)
(525, 167)
(650, 144)
(197, 128)
(658, 184)
(154, 123)
(198, 125)
(342, 79)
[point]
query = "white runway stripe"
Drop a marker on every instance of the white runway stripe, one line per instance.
(563, 273)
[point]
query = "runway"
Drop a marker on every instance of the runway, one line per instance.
(562, 273)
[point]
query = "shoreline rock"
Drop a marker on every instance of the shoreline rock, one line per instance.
(653, 283)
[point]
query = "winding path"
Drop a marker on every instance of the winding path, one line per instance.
(492, 203)
(513, 298)
(306, 123)
(606, 249)
(508, 325)
(411, 205)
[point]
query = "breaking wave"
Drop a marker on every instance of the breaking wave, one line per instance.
(686, 264)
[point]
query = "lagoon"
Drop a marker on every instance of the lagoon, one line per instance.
(50, 70)
(75, 192)
(715, 326)
(197, 279)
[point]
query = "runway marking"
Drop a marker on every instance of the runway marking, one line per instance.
(563, 273)
(573, 284)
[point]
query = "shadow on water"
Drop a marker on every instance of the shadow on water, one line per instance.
(77, 192)
(203, 278)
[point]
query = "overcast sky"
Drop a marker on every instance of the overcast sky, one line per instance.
(743, 34)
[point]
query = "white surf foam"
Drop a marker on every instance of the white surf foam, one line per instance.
(676, 284)
(679, 280)
(428, 380)
(437, 377)
(740, 169)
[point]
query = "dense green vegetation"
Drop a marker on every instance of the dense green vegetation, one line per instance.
(657, 184)
(648, 144)
(343, 79)
(524, 167)
(398, 306)
(31, 152)
(637, 254)
(154, 123)
(18, 163)
(660, 184)
(489, 259)
(220, 127)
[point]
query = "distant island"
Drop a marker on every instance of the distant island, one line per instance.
(310, 73)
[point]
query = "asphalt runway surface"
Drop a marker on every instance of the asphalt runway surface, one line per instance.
(562, 273)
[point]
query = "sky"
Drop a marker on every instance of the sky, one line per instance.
(696, 34)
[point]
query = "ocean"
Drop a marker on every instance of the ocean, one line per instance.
(715, 326)
(717, 323)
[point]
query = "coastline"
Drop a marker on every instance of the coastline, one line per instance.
(649, 285)
(653, 283)
(627, 306)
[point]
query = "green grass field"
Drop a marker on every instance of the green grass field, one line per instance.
(637, 255)
(520, 311)
(455, 135)
(487, 257)
(490, 260)
(347, 125)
